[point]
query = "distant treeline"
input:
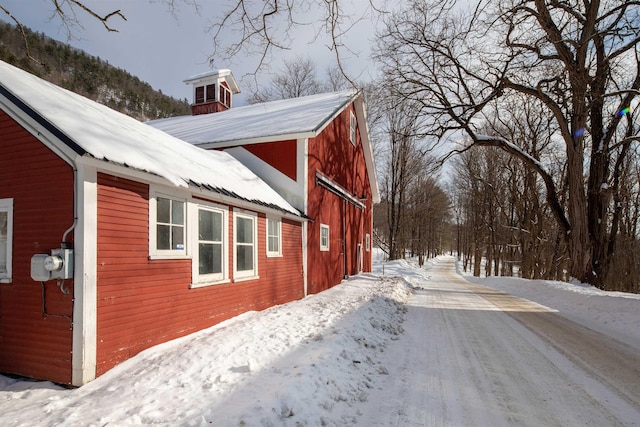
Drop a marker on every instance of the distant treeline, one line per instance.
(86, 75)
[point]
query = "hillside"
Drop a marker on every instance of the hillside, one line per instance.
(87, 75)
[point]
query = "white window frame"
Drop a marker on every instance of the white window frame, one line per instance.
(154, 252)
(204, 94)
(278, 236)
(200, 280)
(226, 99)
(367, 242)
(245, 274)
(352, 128)
(325, 246)
(6, 205)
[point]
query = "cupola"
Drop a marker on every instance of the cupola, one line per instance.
(212, 91)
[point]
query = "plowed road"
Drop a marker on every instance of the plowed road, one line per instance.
(484, 358)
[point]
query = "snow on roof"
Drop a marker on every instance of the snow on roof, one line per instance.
(223, 72)
(108, 135)
(304, 115)
(206, 76)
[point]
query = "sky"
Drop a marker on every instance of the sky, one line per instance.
(164, 47)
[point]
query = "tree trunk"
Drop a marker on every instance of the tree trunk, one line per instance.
(579, 243)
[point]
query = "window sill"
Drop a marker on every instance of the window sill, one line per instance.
(245, 279)
(5, 279)
(274, 255)
(165, 257)
(209, 283)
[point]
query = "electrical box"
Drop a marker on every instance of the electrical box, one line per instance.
(58, 265)
(38, 272)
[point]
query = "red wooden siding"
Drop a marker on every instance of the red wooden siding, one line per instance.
(335, 156)
(144, 302)
(281, 155)
(207, 108)
(32, 343)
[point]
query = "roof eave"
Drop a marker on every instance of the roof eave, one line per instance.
(202, 190)
(37, 125)
(226, 74)
(260, 140)
(336, 113)
(367, 149)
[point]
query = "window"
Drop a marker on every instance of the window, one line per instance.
(225, 96)
(246, 263)
(6, 239)
(211, 93)
(367, 242)
(168, 232)
(324, 237)
(352, 128)
(211, 238)
(199, 98)
(274, 237)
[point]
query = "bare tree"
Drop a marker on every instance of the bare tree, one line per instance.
(402, 163)
(298, 78)
(428, 214)
(261, 28)
(67, 11)
(336, 80)
(578, 58)
(526, 214)
(264, 27)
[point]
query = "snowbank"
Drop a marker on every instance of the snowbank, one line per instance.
(306, 362)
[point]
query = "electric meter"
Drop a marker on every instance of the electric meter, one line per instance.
(53, 263)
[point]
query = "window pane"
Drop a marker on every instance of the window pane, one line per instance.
(3, 256)
(205, 258)
(199, 94)
(211, 93)
(210, 245)
(274, 244)
(217, 258)
(163, 210)
(163, 240)
(324, 237)
(4, 217)
(177, 212)
(210, 258)
(273, 235)
(177, 237)
(217, 227)
(205, 225)
(3, 241)
(244, 230)
(244, 258)
(225, 95)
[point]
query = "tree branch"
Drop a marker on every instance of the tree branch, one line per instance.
(24, 35)
(534, 164)
(104, 19)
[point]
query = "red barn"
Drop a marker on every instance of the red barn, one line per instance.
(115, 236)
(315, 151)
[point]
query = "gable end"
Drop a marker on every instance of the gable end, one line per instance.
(41, 121)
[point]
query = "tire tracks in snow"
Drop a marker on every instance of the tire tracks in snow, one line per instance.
(481, 357)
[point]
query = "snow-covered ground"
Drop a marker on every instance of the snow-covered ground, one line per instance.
(319, 361)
